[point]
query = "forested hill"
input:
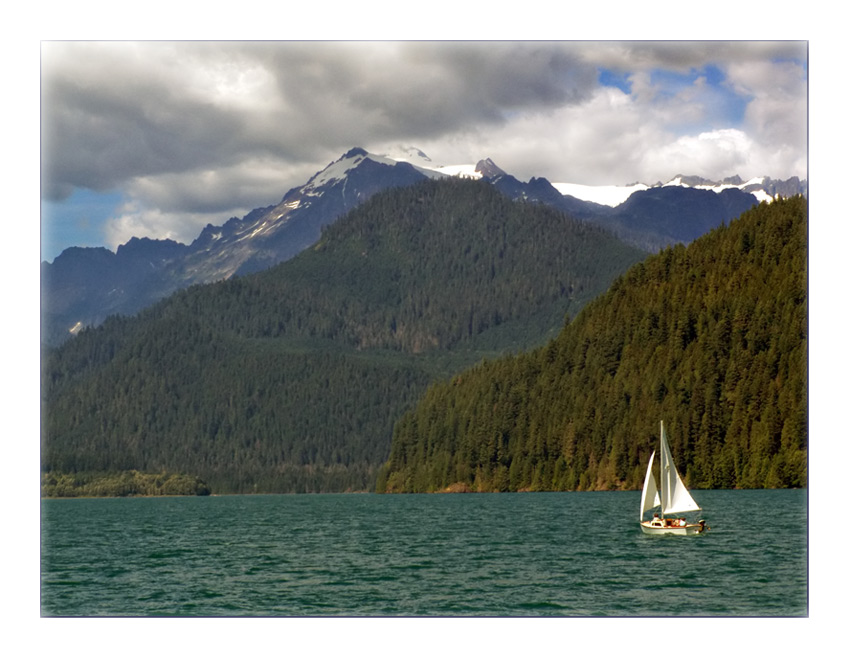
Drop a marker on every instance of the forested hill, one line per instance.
(291, 380)
(710, 338)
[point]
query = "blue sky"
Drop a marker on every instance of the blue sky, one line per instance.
(159, 139)
(77, 220)
(727, 106)
(618, 79)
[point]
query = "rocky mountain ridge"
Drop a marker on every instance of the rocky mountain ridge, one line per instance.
(83, 286)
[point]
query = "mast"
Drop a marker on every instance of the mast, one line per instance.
(661, 471)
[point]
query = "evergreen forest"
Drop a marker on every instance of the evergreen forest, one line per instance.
(711, 338)
(291, 380)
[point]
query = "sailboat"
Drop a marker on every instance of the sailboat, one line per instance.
(673, 498)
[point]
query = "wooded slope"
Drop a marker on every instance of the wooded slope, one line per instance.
(710, 338)
(291, 380)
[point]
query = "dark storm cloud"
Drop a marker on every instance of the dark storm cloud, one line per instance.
(116, 121)
(435, 88)
(420, 88)
(683, 55)
(113, 112)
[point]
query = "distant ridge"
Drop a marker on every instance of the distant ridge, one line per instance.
(83, 286)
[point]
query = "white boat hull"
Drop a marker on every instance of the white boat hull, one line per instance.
(658, 529)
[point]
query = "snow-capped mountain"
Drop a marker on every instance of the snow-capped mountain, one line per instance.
(649, 216)
(85, 285)
(270, 235)
(417, 158)
(763, 187)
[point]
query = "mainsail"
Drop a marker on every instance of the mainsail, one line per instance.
(650, 498)
(675, 497)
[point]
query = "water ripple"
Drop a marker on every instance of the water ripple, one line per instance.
(419, 555)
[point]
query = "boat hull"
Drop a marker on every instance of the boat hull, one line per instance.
(689, 529)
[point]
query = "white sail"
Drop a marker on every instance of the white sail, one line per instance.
(649, 499)
(675, 497)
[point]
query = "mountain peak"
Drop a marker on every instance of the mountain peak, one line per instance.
(488, 169)
(407, 153)
(353, 153)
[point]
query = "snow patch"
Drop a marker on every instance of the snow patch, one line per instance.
(607, 195)
(464, 171)
(761, 196)
(409, 154)
(260, 229)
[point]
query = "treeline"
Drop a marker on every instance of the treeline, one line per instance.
(120, 484)
(291, 380)
(711, 338)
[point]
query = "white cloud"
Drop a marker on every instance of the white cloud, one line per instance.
(777, 113)
(179, 205)
(135, 219)
(247, 184)
(716, 154)
(614, 138)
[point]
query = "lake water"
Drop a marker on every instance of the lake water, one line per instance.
(508, 555)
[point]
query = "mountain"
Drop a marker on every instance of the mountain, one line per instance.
(649, 217)
(660, 216)
(83, 286)
(763, 188)
(711, 338)
(290, 379)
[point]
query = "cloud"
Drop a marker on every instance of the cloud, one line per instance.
(192, 132)
(777, 111)
(135, 219)
(178, 205)
(719, 153)
(115, 111)
(249, 183)
(120, 110)
(683, 56)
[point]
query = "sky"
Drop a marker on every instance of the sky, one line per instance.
(160, 138)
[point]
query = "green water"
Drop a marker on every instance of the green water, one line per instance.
(554, 554)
